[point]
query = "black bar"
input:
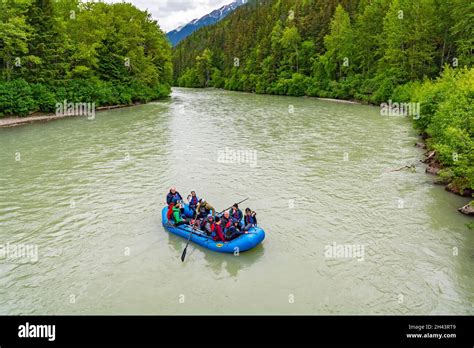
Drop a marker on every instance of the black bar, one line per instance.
(228, 330)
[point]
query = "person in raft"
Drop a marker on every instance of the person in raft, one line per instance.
(206, 225)
(250, 219)
(213, 228)
(177, 218)
(173, 194)
(218, 234)
(171, 205)
(226, 220)
(230, 226)
(236, 214)
(203, 209)
(193, 202)
(233, 231)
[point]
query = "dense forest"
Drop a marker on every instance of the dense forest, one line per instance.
(52, 51)
(375, 51)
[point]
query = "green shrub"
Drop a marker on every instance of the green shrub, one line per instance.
(298, 85)
(404, 93)
(44, 96)
(447, 116)
(189, 78)
(384, 89)
(16, 98)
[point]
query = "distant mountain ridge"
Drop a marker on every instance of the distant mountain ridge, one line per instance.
(179, 34)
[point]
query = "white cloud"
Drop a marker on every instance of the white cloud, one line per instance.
(171, 14)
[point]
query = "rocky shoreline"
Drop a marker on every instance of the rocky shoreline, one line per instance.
(468, 209)
(433, 166)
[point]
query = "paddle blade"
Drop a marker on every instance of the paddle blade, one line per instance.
(183, 255)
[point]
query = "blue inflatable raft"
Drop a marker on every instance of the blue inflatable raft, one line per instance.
(242, 243)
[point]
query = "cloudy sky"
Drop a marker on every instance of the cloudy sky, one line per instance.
(173, 13)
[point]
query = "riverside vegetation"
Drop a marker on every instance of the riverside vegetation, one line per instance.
(51, 51)
(373, 51)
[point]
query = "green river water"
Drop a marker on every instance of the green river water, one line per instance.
(88, 195)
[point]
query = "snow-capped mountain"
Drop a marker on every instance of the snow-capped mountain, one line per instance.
(178, 34)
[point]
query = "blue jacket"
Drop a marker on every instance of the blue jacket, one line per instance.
(236, 214)
(170, 196)
(193, 201)
(249, 219)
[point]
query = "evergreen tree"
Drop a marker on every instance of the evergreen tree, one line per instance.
(463, 31)
(339, 45)
(14, 36)
(203, 67)
(394, 42)
(47, 58)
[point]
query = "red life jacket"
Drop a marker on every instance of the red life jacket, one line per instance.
(169, 215)
(217, 234)
(228, 223)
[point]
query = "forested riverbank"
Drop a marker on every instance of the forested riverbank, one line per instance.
(106, 54)
(412, 54)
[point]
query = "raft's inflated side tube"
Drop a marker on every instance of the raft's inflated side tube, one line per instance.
(242, 243)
